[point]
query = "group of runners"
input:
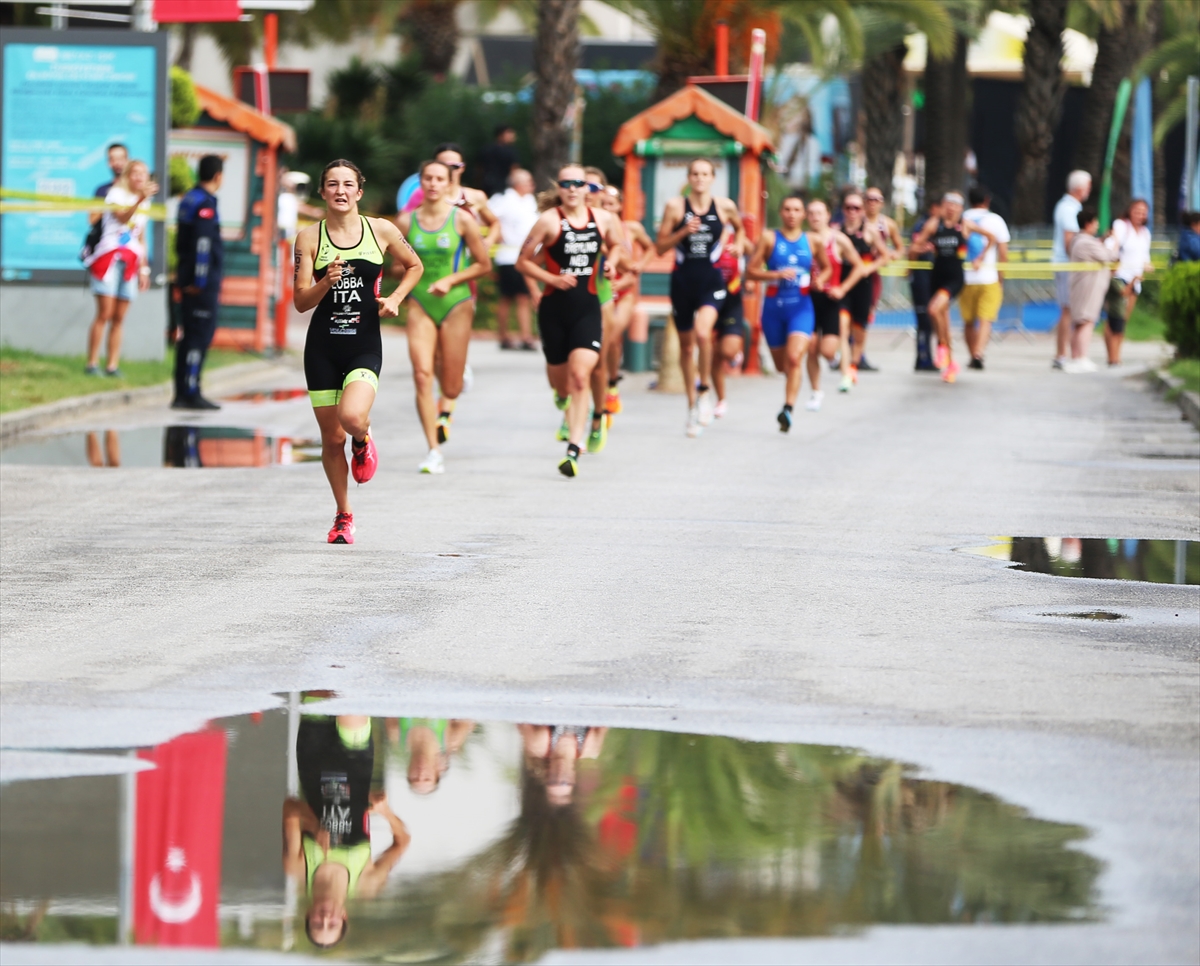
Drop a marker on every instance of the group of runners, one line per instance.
(582, 263)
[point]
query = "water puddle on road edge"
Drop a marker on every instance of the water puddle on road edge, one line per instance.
(1103, 558)
(470, 841)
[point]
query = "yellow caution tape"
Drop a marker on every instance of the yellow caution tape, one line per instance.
(12, 202)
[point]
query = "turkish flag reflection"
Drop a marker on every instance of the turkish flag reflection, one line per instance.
(180, 808)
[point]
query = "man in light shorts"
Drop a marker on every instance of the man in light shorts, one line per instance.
(983, 289)
(1066, 227)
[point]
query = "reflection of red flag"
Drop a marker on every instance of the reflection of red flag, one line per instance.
(196, 11)
(618, 826)
(177, 869)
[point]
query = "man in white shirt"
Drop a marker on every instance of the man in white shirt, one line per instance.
(983, 290)
(1066, 227)
(517, 212)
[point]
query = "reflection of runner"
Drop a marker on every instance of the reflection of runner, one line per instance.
(339, 264)
(429, 742)
(785, 259)
(551, 752)
(110, 455)
(327, 834)
(440, 308)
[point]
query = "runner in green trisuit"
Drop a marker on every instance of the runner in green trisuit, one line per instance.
(441, 307)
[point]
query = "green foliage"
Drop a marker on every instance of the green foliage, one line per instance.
(607, 109)
(1189, 371)
(185, 106)
(1180, 300)
(180, 177)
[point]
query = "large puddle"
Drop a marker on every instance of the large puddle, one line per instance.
(146, 446)
(417, 840)
(1157, 561)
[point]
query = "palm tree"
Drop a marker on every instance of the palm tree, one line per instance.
(1172, 62)
(946, 90)
(432, 26)
(1038, 109)
(555, 57)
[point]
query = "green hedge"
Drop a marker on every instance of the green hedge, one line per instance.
(1180, 302)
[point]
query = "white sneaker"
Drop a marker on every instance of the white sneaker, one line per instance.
(705, 406)
(694, 428)
(720, 409)
(846, 384)
(814, 401)
(1075, 367)
(468, 377)
(1086, 365)
(433, 463)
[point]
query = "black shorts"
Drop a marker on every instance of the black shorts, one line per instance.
(859, 302)
(568, 321)
(827, 313)
(331, 362)
(510, 282)
(731, 319)
(693, 289)
(949, 282)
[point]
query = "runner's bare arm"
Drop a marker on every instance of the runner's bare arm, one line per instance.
(376, 872)
(821, 261)
(402, 254)
(883, 254)
(618, 252)
(733, 217)
(307, 294)
(540, 235)
(479, 201)
(756, 269)
(894, 236)
(668, 239)
(920, 244)
(295, 820)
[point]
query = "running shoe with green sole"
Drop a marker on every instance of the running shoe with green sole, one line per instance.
(568, 466)
(598, 438)
(564, 432)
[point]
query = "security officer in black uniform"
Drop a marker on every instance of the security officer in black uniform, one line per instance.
(198, 275)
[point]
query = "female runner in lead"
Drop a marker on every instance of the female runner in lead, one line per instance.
(339, 265)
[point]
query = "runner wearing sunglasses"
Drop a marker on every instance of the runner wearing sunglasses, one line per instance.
(568, 239)
(695, 227)
(874, 254)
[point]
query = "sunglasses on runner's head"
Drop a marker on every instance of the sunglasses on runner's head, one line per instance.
(874, 198)
(852, 207)
(572, 183)
(594, 188)
(454, 165)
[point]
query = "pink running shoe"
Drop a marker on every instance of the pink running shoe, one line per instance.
(342, 530)
(950, 372)
(943, 355)
(364, 460)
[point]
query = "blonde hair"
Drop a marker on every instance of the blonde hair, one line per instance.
(123, 180)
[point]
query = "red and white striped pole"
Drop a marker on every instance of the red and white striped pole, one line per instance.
(758, 49)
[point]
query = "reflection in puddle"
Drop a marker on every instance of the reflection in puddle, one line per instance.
(265, 396)
(146, 446)
(1157, 561)
(1089, 615)
(447, 840)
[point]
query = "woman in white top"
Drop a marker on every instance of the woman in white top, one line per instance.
(117, 266)
(1133, 240)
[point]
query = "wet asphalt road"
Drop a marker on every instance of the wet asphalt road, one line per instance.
(802, 588)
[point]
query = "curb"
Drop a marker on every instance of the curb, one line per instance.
(1189, 402)
(38, 417)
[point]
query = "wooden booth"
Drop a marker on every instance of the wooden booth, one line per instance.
(657, 146)
(249, 142)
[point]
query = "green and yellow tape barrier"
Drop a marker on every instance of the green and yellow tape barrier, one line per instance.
(13, 202)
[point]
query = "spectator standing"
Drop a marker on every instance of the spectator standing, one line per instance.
(517, 210)
(200, 265)
(1189, 238)
(499, 160)
(1066, 227)
(1132, 238)
(983, 288)
(1086, 289)
(117, 265)
(118, 158)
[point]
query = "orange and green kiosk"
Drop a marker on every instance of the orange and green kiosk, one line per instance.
(657, 145)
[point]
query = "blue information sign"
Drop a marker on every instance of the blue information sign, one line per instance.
(64, 104)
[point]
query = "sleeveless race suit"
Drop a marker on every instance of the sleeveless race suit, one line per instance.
(442, 252)
(731, 317)
(827, 311)
(787, 308)
(343, 343)
(950, 247)
(696, 281)
(569, 319)
(859, 299)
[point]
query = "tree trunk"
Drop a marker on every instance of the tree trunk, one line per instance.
(1038, 109)
(555, 55)
(432, 26)
(1117, 51)
(946, 121)
(883, 89)
(187, 44)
